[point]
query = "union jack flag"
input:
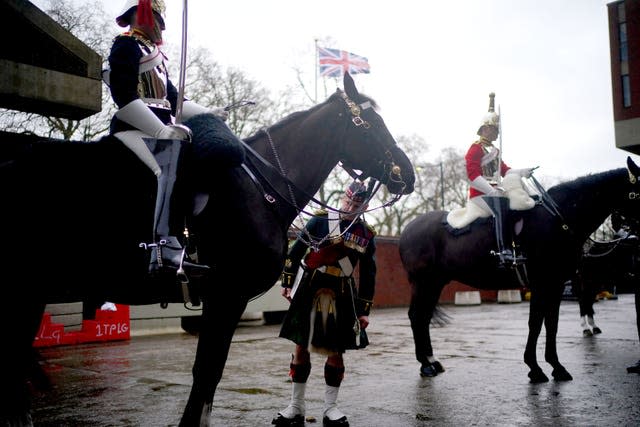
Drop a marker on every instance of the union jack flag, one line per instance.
(334, 62)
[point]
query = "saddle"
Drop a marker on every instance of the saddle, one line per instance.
(214, 148)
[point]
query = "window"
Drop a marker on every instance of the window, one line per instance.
(623, 52)
(626, 91)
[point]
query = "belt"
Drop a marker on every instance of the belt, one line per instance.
(331, 270)
(157, 103)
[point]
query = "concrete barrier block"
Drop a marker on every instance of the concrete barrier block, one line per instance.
(468, 298)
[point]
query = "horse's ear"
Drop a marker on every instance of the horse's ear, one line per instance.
(634, 170)
(350, 86)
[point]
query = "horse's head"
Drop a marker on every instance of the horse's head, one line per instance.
(630, 207)
(370, 147)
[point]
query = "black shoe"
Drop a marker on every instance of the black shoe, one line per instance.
(296, 421)
(340, 422)
(635, 369)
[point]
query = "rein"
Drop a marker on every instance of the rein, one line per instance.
(552, 207)
(613, 243)
(390, 169)
(290, 199)
(549, 204)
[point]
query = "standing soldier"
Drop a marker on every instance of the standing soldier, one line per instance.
(328, 313)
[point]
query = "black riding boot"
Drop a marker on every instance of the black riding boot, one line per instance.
(167, 253)
(506, 254)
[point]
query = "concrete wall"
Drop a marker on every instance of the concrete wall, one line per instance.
(44, 68)
(392, 290)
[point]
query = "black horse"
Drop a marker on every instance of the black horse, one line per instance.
(551, 239)
(73, 215)
(607, 266)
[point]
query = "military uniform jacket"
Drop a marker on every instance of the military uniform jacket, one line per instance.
(481, 161)
(128, 83)
(351, 301)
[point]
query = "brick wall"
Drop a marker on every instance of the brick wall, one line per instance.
(392, 286)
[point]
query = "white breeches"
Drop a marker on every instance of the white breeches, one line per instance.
(133, 140)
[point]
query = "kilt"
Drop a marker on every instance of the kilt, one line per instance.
(322, 315)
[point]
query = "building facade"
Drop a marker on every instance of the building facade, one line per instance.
(624, 40)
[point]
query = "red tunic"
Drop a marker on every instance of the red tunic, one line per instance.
(473, 160)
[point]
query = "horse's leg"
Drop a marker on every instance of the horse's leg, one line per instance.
(552, 315)
(21, 362)
(423, 304)
(592, 324)
(219, 321)
(536, 317)
(585, 301)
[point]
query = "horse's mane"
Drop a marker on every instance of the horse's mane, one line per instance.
(578, 184)
(298, 115)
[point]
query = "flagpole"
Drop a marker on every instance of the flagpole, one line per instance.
(315, 67)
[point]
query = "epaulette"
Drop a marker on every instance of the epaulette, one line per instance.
(321, 212)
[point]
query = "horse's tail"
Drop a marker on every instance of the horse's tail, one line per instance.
(440, 317)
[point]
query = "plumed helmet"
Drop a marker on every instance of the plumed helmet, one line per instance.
(357, 191)
(491, 118)
(124, 17)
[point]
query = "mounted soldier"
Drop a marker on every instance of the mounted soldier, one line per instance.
(488, 190)
(149, 122)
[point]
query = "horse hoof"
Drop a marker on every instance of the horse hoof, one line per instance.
(428, 370)
(587, 333)
(537, 376)
(561, 374)
(635, 369)
(438, 367)
(596, 330)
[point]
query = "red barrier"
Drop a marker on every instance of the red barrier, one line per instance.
(107, 326)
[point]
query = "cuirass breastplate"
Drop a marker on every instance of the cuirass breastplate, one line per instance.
(152, 80)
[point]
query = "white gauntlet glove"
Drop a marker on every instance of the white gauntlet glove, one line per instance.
(220, 112)
(138, 115)
(481, 184)
(180, 132)
(190, 109)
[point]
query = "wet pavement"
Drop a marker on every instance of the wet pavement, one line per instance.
(146, 381)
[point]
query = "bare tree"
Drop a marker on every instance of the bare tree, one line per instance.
(207, 83)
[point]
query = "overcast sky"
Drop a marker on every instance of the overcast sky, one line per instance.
(433, 64)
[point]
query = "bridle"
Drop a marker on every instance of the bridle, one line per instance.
(389, 167)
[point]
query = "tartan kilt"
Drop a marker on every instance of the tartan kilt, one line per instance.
(304, 317)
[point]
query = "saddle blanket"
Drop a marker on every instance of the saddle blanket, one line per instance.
(519, 200)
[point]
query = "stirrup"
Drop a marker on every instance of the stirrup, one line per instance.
(167, 258)
(507, 258)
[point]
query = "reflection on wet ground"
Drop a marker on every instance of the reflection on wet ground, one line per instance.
(146, 381)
